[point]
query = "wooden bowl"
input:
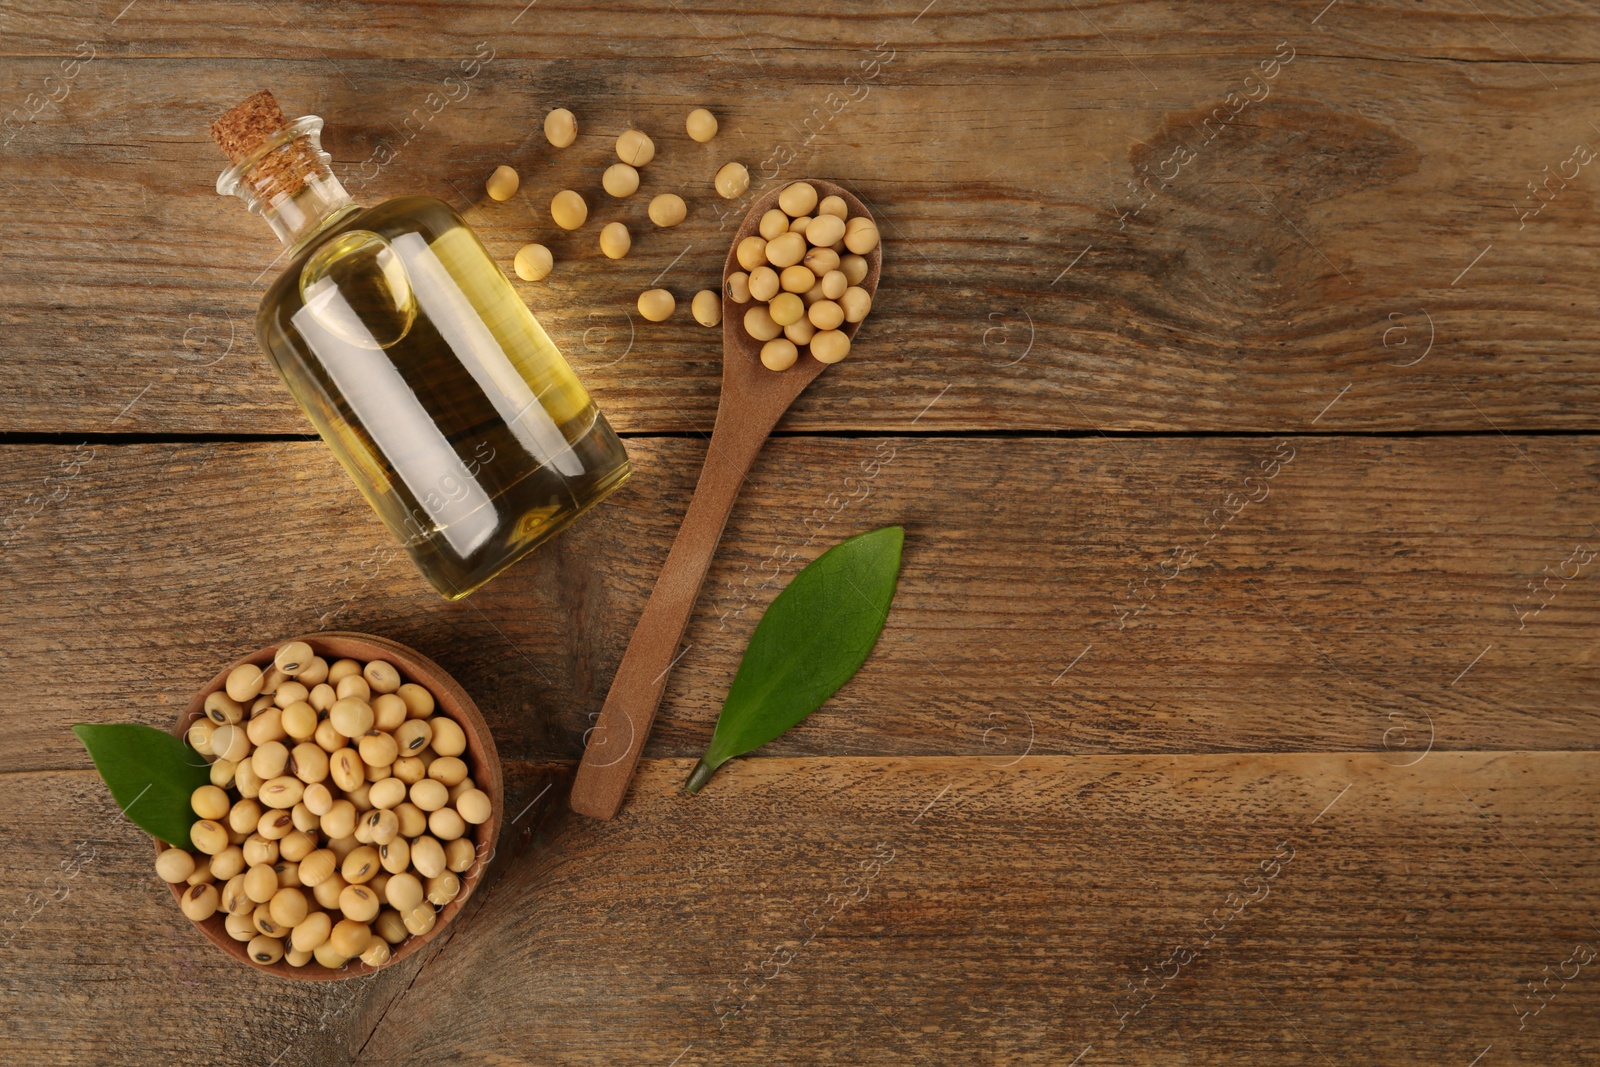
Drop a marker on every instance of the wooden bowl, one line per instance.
(482, 761)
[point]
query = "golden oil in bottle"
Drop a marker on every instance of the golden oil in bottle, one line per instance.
(442, 396)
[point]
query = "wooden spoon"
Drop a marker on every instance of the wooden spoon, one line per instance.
(753, 400)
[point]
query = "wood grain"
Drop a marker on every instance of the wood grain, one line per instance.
(1322, 241)
(725, 31)
(1352, 617)
(100, 966)
(1013, 910)
(1350, 608)
(942, 911)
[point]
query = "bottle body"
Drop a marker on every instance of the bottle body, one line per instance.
(451, 409)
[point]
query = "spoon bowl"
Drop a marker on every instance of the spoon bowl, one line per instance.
(742, 369)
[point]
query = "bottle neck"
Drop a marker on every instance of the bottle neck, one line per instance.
(289, 182)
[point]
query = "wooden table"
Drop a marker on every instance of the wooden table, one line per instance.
(1234, 377)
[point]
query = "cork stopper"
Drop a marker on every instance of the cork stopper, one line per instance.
(248, 125)
(252, 124)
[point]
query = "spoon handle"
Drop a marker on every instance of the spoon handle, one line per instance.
(618, 737)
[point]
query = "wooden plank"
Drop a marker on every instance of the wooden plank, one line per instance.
(1367, 211)
(715, 31)
(1375, 597)
(99, 966)
(940, 911)
(924, 910)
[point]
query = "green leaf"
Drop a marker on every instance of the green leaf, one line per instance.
(151, 775)
(815, 636)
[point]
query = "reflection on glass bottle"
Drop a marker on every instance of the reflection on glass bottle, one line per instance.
(417, 362)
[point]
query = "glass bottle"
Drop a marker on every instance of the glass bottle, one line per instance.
(417, 362)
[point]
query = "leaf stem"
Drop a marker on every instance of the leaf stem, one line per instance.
(701, 775)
